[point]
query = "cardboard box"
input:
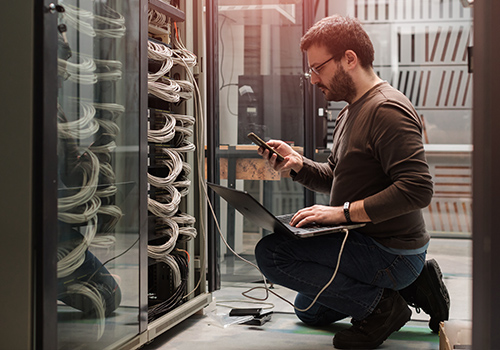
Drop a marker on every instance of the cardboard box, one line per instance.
(455, 335)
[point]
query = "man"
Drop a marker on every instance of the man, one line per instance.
(376, 174)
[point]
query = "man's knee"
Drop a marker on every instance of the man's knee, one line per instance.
(264, 250)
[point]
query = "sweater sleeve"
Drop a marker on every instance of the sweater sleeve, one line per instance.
(396, 142)
(315, 176)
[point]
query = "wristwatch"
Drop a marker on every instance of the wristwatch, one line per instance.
(346, 212)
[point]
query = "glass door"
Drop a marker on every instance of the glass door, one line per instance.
(98, 109)
(261, 90)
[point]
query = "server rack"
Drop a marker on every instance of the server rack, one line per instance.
(82, 258)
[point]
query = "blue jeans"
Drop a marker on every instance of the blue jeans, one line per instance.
(306, 266)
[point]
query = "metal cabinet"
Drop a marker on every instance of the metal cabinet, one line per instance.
(84, 279)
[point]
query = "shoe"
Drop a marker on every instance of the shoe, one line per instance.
(390, 314)
(430, 294)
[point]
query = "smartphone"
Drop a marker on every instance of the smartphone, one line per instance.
(245, 312)
(260, 142)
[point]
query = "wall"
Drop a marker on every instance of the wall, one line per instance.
(16, 87)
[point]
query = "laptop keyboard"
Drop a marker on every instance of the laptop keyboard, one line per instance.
(285, 219)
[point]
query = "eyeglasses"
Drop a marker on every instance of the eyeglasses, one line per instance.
(316, 70)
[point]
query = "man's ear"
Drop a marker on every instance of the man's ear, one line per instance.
(351, 58)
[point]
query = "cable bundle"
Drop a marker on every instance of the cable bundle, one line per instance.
(158, 19)
(91, 292)
(109, 111)
(81, 72)
(179, 267)
(166, 205)
(174, 164)
(108, 70)
(83, 127)
(167, 90)
(70, 258)
(112, 213)
(81, 20)
(167, 131)
(90, 178)
(159, 52)
(164, 69)
(87, 210)
(109, 24)
(173, 142)
(171, 230)
(186, 223)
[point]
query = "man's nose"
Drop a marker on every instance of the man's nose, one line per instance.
(314, 78)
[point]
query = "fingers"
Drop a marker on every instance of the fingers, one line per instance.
(303, 217)
(317, 215)
(272, 158)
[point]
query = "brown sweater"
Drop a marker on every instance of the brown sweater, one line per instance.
(378, 156)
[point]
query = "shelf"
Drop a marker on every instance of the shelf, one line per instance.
(168, 10)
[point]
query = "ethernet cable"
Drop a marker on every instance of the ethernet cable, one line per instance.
(166, 133)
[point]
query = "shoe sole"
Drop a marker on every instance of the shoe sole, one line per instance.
(441, 313)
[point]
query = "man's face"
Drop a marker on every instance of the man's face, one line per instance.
(331, 77)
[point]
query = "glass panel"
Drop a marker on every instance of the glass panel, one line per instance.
(261, 91)
(98, 168)
(421, 48)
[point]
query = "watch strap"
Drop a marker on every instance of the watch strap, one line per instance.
(347, 214)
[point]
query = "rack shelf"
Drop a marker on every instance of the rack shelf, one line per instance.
(167, 9)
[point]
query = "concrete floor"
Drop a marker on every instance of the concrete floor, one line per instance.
(285, 332)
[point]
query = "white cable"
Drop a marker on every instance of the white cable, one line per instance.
(91, 292)
(90, 178)
(81, 72)
(165, 209)
(170, 261)
(182, 186)
(81, 128)
(70, 259)
(186, 146)
(159, 52)
(109, 127)
(186, 132)
(107, 191)
(114, 213)
(186, 167)
(184, 119)
(107, 171)
(184, 90)
(166, 133)
(106, 148)
(167, 92)
(174, 165)
(79, 19)
(103, 241)
(164, 69)
(110, 18)
(158, 19)
(108, 70)
(183, 220)
(90, 211)
(115, 109)
(172, 233)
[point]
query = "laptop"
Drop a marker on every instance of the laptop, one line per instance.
(249, 207)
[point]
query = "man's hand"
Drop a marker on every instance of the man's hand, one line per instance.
(326, 215)
(293, 160)
(318, 215)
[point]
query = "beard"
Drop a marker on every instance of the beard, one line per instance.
(340, 87)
